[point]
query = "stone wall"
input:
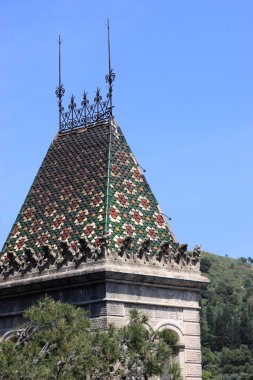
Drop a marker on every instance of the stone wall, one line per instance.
(108, 292)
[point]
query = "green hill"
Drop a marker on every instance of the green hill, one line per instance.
(227, 318)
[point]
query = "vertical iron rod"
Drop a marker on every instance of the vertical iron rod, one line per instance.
(109, 63)
(97, 97)
(60, 85)
(59, 41)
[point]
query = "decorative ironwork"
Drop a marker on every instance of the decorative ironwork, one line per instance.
(87, 114)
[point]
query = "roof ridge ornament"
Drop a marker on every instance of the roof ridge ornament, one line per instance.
(88, 114)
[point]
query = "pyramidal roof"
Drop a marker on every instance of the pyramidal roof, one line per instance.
(90, 186)
(90, 201)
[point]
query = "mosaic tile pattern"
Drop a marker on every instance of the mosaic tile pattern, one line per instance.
(67, 198)
(134, 210)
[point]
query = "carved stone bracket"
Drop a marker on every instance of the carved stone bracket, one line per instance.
(179, 259)
(65, 254)
(125, 249)
(144, 250)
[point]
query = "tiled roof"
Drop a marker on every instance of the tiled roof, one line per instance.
(89, 185)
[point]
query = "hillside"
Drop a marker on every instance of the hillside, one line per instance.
(227, 318)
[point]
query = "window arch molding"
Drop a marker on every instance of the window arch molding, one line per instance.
(171, 325)
(11, 334)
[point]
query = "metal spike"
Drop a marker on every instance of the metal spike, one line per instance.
(60, 89)
(110, 77)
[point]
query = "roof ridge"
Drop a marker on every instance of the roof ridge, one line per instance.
(107, 199)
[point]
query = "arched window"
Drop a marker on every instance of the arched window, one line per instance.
(174, 367)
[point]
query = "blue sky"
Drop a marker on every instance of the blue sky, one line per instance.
(183, 97)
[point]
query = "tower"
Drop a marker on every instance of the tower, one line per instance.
(91, 233)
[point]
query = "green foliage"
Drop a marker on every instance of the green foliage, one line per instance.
(205, 264)
(169, 337)
(58, 342)
(227, 319)
(207, 375)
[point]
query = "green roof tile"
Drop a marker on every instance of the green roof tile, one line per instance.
(89, 184)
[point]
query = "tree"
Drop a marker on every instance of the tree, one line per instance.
(57, 342)
(237, 361)
(246, 327)
(224, 328)
(205, 264)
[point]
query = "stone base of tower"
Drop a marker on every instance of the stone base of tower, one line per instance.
(108, 291)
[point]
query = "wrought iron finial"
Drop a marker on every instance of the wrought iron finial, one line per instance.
(59, 92)
(85, 115)
(98, 97)
(72, 103)
(110, 77)
(85, 101)
(97, 102)
(60, 89)
(72, 110)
